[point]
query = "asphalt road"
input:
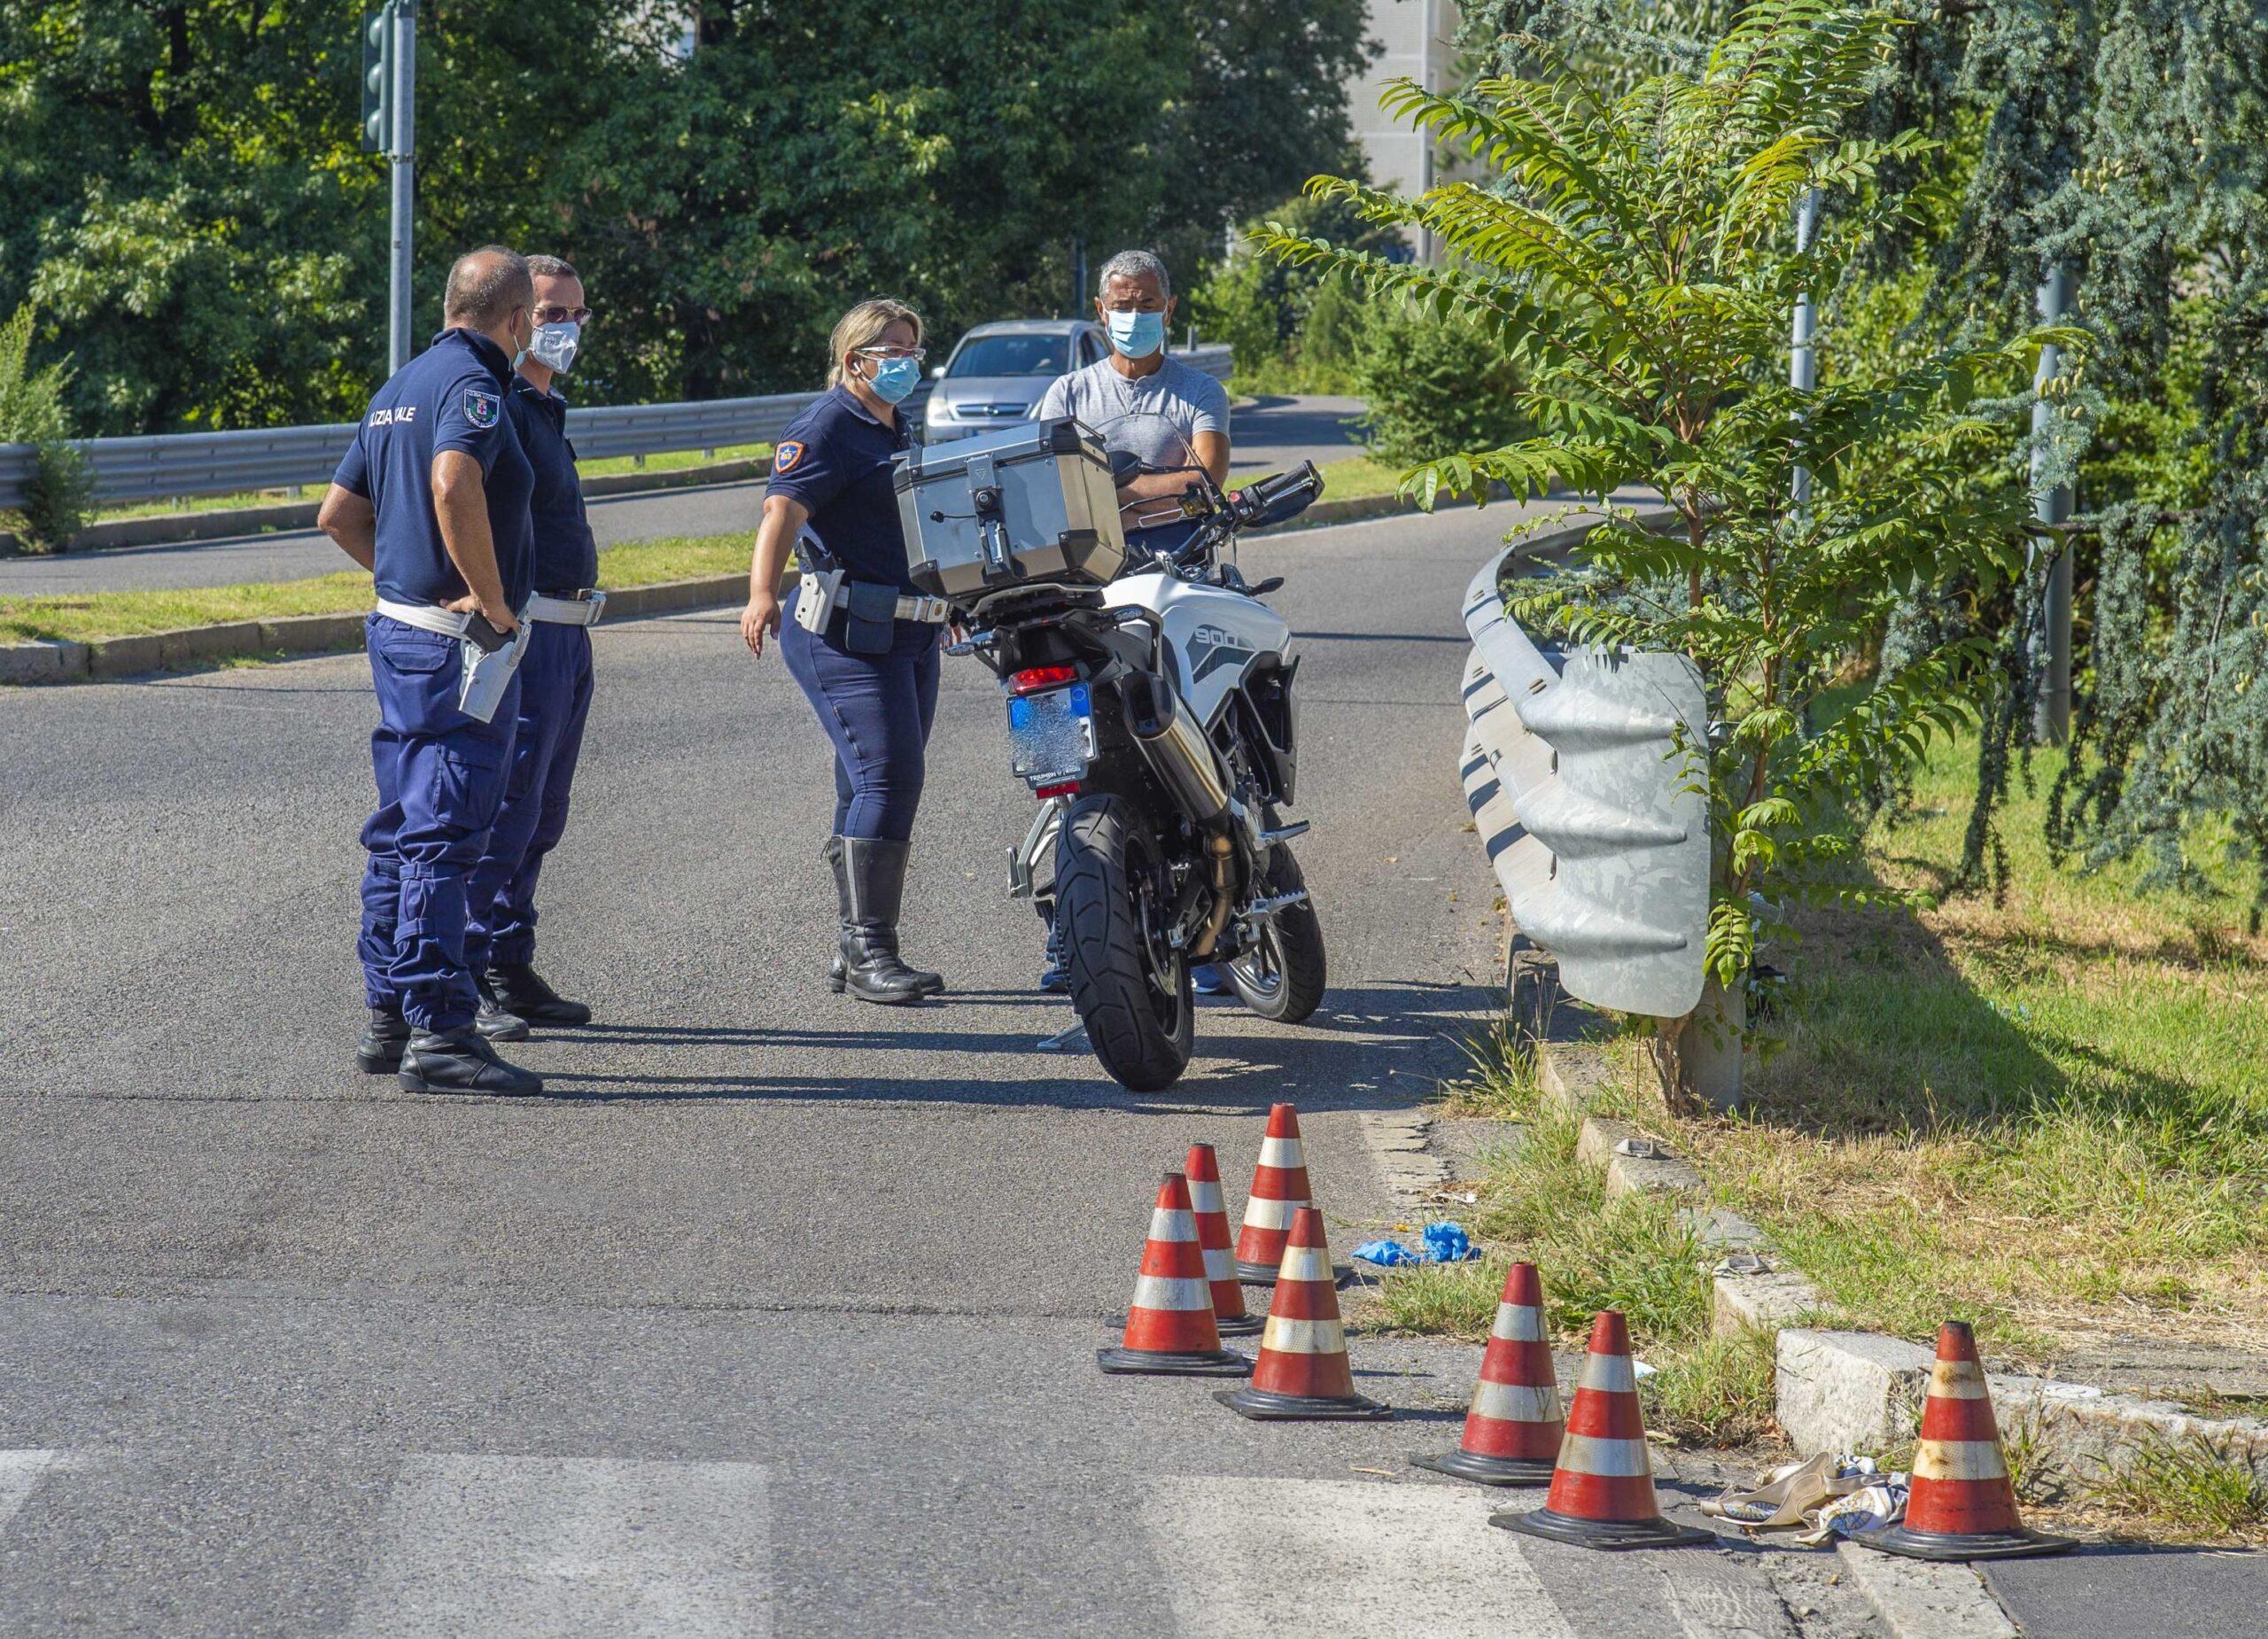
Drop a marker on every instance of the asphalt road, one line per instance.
(780, 1316)
(1277, 433)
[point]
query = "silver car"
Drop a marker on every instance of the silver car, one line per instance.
(998, 371)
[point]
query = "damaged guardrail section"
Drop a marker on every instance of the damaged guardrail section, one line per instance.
(1584, 771)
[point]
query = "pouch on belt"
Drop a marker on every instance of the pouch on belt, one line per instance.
(869, 616)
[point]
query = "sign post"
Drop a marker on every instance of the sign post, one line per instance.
(390, 128)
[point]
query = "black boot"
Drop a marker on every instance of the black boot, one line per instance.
(496, 1022)
(461, 1061)
(379, 1051)
(519, 989)
(869, 885)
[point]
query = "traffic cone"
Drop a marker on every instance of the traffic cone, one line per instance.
(1303, 1373)
(1229, 1313)
(1279, 1188)
(1962, 1505)
(1602, 1492)
(1512, 1433)
(1170, 1327)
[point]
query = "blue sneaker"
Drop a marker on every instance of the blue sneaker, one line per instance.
(1209, 979)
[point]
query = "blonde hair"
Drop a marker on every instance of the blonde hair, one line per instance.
(863, 326)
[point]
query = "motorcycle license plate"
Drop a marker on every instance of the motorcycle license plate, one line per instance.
(1052, 735)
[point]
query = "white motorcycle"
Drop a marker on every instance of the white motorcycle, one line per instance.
(1156, 719)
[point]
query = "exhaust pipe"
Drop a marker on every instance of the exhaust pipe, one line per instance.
(1178, 752)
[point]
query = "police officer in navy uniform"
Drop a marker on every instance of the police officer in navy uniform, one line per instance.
(432, 497)
(555, 680)
(870, 668)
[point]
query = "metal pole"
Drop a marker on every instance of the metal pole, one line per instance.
(2051, 715)
(1802, 359)
(402, 149)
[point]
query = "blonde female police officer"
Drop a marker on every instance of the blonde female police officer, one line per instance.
(869, 667)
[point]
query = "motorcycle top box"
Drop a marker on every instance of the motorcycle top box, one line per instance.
(1027, 504)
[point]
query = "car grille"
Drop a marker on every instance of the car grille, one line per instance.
(989, 412)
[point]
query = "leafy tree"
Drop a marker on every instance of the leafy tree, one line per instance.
(1434, 385)
(186, 198)
(54, 506)
(1633, 254)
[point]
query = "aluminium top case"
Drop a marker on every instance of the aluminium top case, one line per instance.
(1027, 504)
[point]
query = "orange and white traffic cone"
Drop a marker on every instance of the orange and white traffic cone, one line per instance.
(1229, 1312)
(1279, 1188)
(1962, 1505)
(1602, 1492)
(1169, 1328)
(1512, 1433)
(1302, 1372)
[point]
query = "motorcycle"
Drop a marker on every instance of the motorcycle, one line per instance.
(1156, 719)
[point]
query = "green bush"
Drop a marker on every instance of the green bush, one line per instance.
(1293, 328)
(60, 491)
(1435, 387)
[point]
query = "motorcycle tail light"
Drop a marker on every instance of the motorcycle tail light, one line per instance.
(1068, 788)
(1033, 679)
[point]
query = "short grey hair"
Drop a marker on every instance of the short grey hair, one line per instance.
(553, 267)
(1134, 265)
(485, 285)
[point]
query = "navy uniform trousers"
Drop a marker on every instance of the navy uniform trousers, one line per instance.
(554, 703)
(441, 779)
(878, 710)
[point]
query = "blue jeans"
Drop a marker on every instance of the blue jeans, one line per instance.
(877, 708)
(440, 778)
(555, 702)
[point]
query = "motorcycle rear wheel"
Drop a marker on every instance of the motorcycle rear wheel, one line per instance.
(1281, 978)
(1130, 986)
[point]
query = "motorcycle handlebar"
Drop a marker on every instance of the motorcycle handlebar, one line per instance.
(1255, 499)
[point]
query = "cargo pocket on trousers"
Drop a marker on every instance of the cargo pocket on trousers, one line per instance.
(469, 772)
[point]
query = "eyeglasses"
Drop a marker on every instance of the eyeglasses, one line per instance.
(915, 354)
(562, 315)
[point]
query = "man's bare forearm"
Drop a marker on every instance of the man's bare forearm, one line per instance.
(460, 507)
(352, 523)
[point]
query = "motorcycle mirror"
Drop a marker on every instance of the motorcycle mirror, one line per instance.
(1272, 584)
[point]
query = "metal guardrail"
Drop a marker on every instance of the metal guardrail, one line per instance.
(1577, 769)
(159, 467)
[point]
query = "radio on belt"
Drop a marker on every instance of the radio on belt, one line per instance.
(1033, 503)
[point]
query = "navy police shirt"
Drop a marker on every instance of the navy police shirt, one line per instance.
(835, 459)
(566, 558)
(450, 397)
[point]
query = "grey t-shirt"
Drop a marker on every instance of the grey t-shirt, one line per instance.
(1157, 416)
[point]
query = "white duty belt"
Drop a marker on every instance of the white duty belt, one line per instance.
(934, 610)
(582, 610)
(425, 617)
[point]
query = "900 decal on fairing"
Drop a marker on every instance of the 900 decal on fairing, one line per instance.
(1152, 711)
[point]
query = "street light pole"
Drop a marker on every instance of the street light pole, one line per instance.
(402, 149)
(1803, 358)
(2051, 715)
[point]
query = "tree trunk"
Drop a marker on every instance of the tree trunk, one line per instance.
(1699, 1057)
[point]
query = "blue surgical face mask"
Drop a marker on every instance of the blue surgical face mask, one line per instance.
(893, 378)
(556, 344)
(1138, 335)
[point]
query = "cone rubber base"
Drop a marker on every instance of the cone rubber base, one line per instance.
(1255, 1274)
(1220, 1363)
(1264, 1406)
(1487, 1471)
(1613, 1535)
(1950, 1546)
(1244, 1326)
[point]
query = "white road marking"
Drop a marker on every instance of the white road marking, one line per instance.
(1338, 1556)
(545, 1546)
(20, 1475)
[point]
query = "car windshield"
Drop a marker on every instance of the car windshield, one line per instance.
(1012, 355)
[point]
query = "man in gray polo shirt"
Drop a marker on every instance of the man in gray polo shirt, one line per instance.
(1143, 400)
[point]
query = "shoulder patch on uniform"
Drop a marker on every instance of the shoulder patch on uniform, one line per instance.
(784, 458)
(480, 408)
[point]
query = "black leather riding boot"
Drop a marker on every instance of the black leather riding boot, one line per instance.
(461, 1061)
(870, 886)
(379, 1052)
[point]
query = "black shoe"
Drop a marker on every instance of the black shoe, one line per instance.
(461, 1061)
(869, 886)
(379, 1051)
(519, 989)
(498, 1025)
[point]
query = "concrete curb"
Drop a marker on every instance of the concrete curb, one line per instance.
(1860, 1391)
(1918, 1600)
(110, 659)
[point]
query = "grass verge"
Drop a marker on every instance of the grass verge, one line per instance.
(123, 614)
(1538, 1203)
(675, 461)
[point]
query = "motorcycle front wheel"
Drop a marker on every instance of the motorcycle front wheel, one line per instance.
(1281, 977)
(1113, 902)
